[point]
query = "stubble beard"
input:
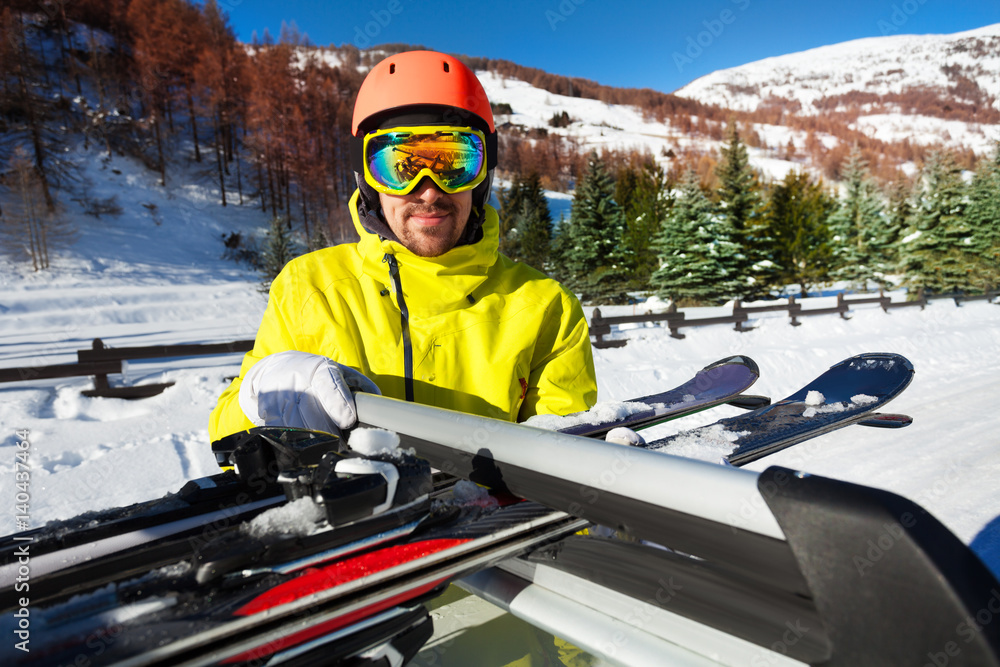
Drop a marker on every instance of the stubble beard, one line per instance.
(430, 241)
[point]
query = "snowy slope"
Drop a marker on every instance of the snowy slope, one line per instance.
(878, 65)
(598, 125)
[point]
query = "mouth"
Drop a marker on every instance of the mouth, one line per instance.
(429, 217)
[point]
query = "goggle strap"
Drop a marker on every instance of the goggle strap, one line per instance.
(491, 150)
(358, 154)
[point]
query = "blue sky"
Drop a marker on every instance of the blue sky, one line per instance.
(659, 45)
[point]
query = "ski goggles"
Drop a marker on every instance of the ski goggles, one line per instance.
(455, 158)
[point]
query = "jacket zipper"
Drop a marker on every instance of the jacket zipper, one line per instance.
(405, 321)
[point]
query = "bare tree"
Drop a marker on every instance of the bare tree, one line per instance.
(31, 229)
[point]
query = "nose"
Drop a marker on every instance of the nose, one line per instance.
(427, 190)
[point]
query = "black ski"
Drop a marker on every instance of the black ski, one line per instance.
(850, 392)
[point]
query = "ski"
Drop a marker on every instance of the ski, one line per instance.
(128, 544)
(357, 581)
(850, 392)
(722, 382)
(223, 501)
(748, 563)
(360, 585)
(610, 484)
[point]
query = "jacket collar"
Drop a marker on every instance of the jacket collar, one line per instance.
(431, 285)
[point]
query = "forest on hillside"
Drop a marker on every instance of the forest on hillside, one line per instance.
(167, 82)
(638, 229)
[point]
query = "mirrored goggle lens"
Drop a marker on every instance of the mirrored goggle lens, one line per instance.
(394, 159)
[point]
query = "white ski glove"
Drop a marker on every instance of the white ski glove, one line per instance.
(302, 390)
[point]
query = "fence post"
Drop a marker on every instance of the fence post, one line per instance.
(599, 328)
(673, 320)
(100, 379)
(793, 308)
(842, 306)
(737, 311)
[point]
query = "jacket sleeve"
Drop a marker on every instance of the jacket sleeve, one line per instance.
(276, 334)
(562, 379)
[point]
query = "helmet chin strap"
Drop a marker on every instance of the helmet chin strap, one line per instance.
(370, 211)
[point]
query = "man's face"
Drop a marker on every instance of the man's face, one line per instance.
(427, 221)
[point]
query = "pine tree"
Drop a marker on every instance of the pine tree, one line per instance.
(279, 249)
(644, 195)
(510, 200)
(525, 222)
(697, 250)
(593, 257)
(935, 255)
(535, 224)
(899, 215)
(739, 195)
(856, 227)
(559, 249)
(797, 211)
(984, 220)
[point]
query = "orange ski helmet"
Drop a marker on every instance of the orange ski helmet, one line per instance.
(421, 88)
(419, 78)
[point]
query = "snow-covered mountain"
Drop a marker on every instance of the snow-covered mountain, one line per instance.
(878, 65)
(960, 71)
(919, 89)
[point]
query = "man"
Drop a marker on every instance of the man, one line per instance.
(423, 307)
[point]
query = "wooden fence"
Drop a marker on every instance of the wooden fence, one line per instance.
(601, 327)
(101, 361)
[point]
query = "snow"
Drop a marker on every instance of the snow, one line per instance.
(154, 275)
(815, 398)
(602, 413)
(598, 125)
(624, 436)
(94, 453)
(466, 494)
(712, 443)
(374, 442)
(888, 64)
(879, 65)
(928, 131)
(300, 517)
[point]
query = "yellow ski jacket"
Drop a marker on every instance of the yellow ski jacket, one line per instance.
(469, 330)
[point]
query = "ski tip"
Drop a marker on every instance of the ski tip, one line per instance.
(738, 360)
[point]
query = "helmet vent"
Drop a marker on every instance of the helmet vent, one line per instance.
(392, 68)
(445, 63)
